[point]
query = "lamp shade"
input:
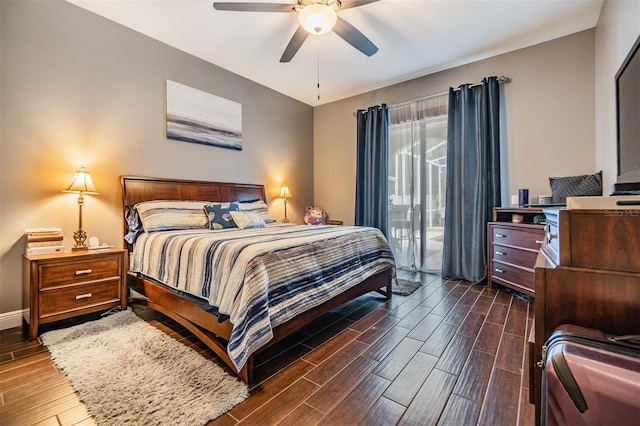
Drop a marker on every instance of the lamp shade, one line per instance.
(284, 192)
(317, 18)
(82, 183)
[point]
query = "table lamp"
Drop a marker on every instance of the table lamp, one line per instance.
(284, 194)
(82, 184)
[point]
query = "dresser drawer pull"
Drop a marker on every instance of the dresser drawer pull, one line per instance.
(83, 272)
(500, 270)
(539, 242)
(501, 236)
(501, 253)
(83, 296)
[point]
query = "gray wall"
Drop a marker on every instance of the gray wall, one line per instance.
(617, 30)
(76, 89)
(550, 117)
(79, 90)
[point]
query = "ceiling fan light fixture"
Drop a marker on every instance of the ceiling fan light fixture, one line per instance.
(317, 18)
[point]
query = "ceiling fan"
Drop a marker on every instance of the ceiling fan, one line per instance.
(315, 17)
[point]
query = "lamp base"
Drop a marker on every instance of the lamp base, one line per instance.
(285, 220)
(79, 236)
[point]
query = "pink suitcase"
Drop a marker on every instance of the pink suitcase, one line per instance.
(590, 378)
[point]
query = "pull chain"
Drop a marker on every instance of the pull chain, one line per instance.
(318, 76)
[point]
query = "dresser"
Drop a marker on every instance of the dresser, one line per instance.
(65, 285)
(513, 248)
(587, 274)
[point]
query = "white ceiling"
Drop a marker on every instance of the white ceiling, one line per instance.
(415, 38)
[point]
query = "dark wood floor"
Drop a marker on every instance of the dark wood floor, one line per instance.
(450, 354)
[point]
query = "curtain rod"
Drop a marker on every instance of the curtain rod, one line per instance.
(502, 79)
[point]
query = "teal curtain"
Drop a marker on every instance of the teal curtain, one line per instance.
(473, 178)
(372, 168)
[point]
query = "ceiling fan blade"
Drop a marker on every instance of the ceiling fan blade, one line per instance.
(346, 4)
(254, 7)
(354, 37)
(294, 44)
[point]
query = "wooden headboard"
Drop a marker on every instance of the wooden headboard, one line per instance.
(137, 189)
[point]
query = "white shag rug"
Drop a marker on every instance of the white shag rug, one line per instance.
(129, 372)
(405, 287)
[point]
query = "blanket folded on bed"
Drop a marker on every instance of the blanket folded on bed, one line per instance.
(259, 278)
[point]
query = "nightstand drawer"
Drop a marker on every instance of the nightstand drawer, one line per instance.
(60, 301)
(513, 248)
(517, 237)
(514, 256)
(513, 276)
(53, 275)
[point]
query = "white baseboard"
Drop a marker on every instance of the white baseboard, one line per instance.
(10, 320)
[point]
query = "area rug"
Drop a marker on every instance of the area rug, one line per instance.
(405, 287)
(129, 372)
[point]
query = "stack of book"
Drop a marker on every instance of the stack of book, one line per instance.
(44, 240)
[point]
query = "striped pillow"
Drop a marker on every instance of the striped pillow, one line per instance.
(246, 220)
(257, 206)
(165, 215)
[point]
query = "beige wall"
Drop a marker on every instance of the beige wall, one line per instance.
(617, 30)
(549, 119)
(79, 90)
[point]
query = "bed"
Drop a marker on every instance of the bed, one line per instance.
(211, 323)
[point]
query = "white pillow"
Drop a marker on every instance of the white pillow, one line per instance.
(246, 220)
(257, 206)
(164, 215)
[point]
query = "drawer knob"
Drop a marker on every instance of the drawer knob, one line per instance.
(501, 236)
(500, 270)
(501, 253)
(83, 296)
(83, 272)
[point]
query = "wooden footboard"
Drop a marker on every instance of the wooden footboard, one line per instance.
(215, 335)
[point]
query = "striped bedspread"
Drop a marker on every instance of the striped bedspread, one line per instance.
(259, 278)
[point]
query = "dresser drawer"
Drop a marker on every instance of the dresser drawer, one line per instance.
(54, 275)
(531, 239)
(74, 298)
(514, 256)
(513, 276)
(552, 235)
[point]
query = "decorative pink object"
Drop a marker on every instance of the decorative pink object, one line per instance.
(315, 216)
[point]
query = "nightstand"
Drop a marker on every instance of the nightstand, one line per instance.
(513, 248)
(64, 285)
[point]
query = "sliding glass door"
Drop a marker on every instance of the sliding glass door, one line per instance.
(417, 176)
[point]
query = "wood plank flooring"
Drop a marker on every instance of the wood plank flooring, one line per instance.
(450, 354)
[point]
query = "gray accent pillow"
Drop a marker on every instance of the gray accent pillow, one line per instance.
(575, 186)
(134, 225)
(219, 215)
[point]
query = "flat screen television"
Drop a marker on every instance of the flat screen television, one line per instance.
(628, 123)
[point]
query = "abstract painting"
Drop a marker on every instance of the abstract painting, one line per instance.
(200, 117)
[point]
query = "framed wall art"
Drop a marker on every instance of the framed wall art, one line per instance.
(200, 117)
